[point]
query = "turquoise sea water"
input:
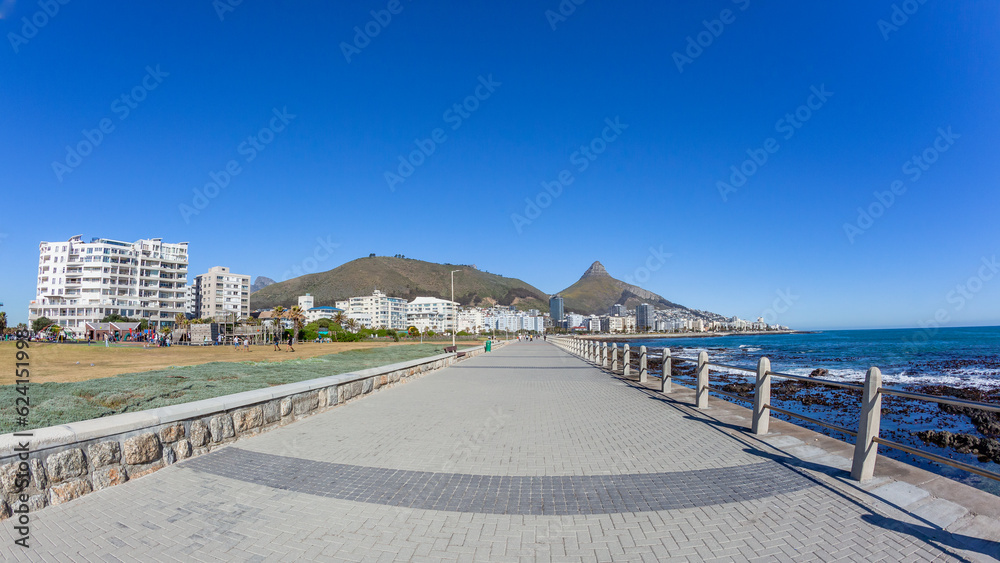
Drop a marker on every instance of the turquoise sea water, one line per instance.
(968, 357)
(910, 359)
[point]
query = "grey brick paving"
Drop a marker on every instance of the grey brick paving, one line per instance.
(489, 418)
(504, 494)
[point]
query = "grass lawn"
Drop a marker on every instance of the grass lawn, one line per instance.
(78, 362)
(70, 401)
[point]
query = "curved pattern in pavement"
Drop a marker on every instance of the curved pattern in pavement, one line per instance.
(504, 494)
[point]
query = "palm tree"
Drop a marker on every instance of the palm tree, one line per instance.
(3, 322)
(276, 315)
(352, 325)
(298, 318)
(339, 318)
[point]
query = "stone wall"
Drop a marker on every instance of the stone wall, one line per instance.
(69, 461)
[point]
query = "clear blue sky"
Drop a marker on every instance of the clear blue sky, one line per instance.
(656, 184)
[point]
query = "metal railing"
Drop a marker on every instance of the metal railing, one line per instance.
(866, 436)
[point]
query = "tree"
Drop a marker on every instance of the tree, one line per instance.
(413, 331)
(276, 315)
(41, 323)
(352, 325)
(3, 322)
(298, 319)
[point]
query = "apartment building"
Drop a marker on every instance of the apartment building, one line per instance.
(219, 293)
(431, 313)
(376, 310)
(80, 282)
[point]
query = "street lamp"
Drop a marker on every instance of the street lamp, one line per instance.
(454, 312)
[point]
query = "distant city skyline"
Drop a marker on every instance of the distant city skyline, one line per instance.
(827, 166)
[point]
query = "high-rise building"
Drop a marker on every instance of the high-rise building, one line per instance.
(431, 313)
(219, 293)
(644, 319)
(82, 282)
(618, 310)
(556, 309)
(376, 310)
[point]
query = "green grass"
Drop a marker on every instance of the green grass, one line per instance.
(61, 403)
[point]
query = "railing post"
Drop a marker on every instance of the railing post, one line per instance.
(762, 397)
(626, 358)
(865, 447)
(604, 354)
(643, 374)
(590, 351)
(701, 394)
(666, 383)
(614, 357)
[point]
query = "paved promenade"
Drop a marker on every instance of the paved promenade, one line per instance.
(523, 454)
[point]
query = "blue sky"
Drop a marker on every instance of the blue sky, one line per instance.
(205, 92)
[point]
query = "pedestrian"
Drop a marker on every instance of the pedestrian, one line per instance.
(290, 349)
(106, 344)
(246, 343)
(277, 343)
(236, 343)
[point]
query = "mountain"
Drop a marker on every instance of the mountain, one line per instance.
(402, 277)
(260, 283)
(596, 291)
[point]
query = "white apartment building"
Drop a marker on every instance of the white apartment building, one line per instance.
(593, 323)
(431, 313)
(471, 321)
(219, 293)
(80, 282)
(376, 310)
(575, 320)
(306, 302)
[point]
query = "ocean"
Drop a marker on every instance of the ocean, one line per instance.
(967, 359)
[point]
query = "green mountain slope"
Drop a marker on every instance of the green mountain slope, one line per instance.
(402, 277)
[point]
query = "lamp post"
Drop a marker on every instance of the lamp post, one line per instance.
(454, 312)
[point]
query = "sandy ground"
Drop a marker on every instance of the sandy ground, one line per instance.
(79, 362)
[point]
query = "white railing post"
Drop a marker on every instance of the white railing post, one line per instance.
(626, 358)
(614, 357)
(701, 394)
(762, 398)
(604, 354)
(666, 383)
(865, 447)
(590, 351)
(643, 374)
